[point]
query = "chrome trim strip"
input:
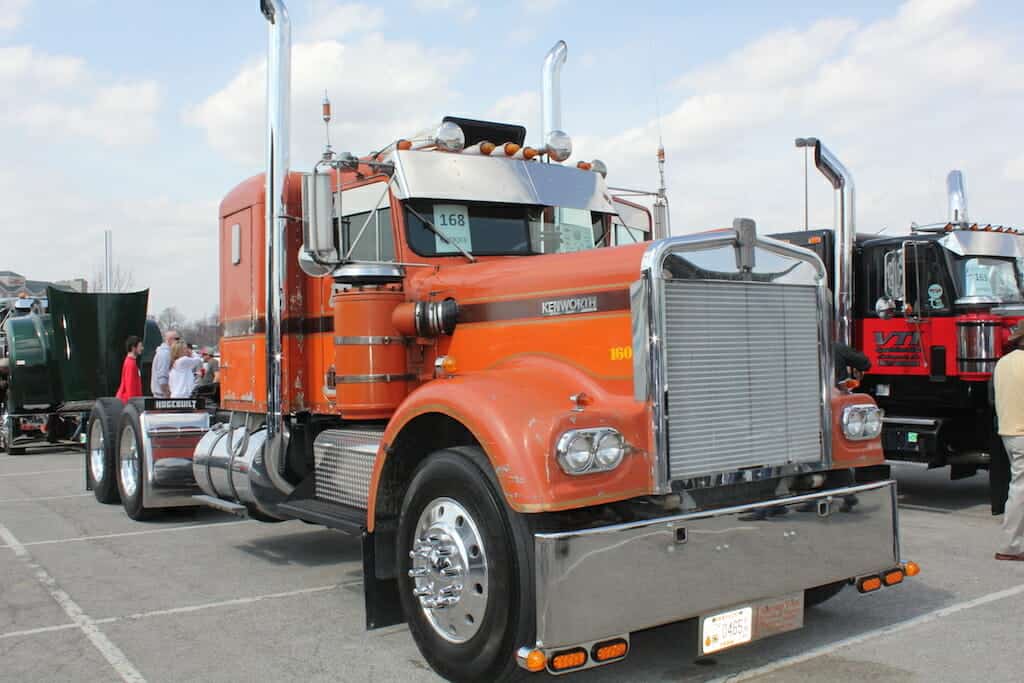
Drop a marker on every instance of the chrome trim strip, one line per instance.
(368, 341)
(676, 567)
(371, 379)
(916, 421)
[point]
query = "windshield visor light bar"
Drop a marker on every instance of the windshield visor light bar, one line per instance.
(862, 422)
(585, 451)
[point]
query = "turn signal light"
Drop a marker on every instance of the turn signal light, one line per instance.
(911, 568)
(569, 659)
(531, 660)
(869, 584)
(609, 650)
(893, 577)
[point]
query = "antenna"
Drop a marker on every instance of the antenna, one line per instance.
(326, 112)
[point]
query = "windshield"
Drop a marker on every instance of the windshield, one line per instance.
(985, 279)
(499, 229)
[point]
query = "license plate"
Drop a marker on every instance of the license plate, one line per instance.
(727, 629)
(745, 624)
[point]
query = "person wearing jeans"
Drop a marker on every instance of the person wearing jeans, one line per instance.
(1009, 384)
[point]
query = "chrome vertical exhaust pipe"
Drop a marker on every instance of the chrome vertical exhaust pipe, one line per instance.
(956, 194)
(279, 69)
(557, 144)
(846, 229)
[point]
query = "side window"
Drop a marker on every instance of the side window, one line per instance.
(926, 283)
(376, 242)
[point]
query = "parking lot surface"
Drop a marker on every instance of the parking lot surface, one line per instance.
(88, 595)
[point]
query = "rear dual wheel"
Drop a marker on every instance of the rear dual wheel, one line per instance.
(464, 562)
(101, 449)
(131, 465)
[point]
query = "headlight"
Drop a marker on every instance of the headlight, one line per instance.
(583, 451)
(862, 422)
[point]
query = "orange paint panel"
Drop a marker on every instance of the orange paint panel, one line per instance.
(847, 453)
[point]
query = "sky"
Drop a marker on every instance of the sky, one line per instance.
(138, 116)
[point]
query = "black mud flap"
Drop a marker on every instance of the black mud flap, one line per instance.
(380, 588)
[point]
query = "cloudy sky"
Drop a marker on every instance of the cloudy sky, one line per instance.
(139, 115)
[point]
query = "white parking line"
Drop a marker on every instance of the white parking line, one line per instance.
(26, 474)
(186, 609)
(925, 618)
(185, 527)
(4, 501)
(121, 664)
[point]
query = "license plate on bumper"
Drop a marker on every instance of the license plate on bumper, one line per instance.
(751, 622)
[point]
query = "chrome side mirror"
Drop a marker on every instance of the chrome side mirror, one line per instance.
(885, 307)
(319, 236)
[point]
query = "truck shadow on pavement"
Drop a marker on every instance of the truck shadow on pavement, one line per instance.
(933, 490)
(308, 546)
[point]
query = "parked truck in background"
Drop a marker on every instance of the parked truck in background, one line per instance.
(932, 310)
(545, 442)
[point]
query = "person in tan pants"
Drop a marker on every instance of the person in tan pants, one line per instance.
(1009, 390)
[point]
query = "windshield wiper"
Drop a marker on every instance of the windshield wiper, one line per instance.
(440, 234)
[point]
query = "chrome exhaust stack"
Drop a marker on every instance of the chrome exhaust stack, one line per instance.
(278, 126)
(956, 194)
(846, 230)
(557, 143)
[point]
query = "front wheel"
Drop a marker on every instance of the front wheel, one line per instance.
(464, 563)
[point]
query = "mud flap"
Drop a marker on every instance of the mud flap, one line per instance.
(380, 588)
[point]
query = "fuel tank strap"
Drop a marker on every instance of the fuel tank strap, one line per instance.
(368, 341)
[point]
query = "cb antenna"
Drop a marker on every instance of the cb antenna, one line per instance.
(326, 111)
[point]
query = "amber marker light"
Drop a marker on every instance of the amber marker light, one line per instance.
(486, 148)
(510, 148)
(609, 650)
(568, 659)
(869, 584)
(404, 144)
(531, 660)
(891, 578)
(530, 153)
(911, 568)
(583, 165)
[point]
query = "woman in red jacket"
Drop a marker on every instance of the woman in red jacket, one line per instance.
(131, 377)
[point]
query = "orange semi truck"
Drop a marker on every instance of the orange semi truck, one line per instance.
(545, 442)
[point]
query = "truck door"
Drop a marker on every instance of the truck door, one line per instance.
(240, 292)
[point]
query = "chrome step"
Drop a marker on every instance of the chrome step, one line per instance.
(221, 504)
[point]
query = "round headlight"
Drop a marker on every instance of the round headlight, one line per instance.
(578, 455)
(872, 422)
(559, 145)
(610, 450)
(853, 423)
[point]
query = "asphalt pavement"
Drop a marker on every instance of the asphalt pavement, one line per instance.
(88, 595)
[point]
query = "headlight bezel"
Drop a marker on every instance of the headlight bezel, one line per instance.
(866, 417)
(594, 435)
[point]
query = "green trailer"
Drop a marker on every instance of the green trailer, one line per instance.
(57, 359)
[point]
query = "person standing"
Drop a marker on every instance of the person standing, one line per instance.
(131, 376)
(182, 375)
(211, 368)
(1009, 383)
(160, 384)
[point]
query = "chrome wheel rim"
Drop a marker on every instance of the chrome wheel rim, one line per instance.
(449, 570)
(97, 463)
(129, 470)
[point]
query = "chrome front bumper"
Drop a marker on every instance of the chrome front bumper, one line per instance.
(609, 581)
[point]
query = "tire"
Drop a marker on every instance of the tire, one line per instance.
(818, 595)
(101, 449)
(131, 465)
(454, 493)
(8, 438)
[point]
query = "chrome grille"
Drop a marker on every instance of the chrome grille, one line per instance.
(743, 376)
(344, 465)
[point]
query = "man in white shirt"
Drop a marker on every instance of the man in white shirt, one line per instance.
(160, 384)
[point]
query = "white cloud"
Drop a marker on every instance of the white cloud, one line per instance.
(380, 89)
(331, 20)
(58, 96)
(522, 108)
(541, 6)
(463, 10)
(901, 100)
(11, 13)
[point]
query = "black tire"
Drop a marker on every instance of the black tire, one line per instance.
(10, 432)
(102, 424)
(129, 450)
(464, 475)
(818, 595)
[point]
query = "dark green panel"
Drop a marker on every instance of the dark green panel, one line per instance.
(33, 386)
(89, 333)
